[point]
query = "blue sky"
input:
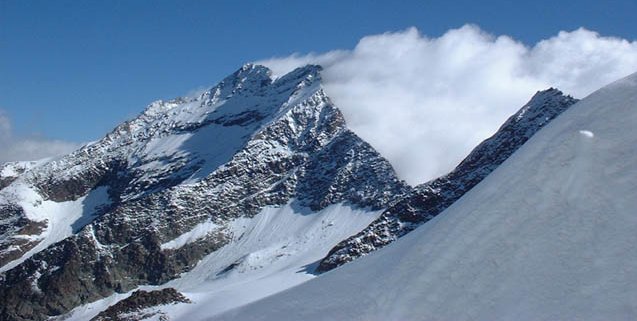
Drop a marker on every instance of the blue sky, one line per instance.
(72, 70)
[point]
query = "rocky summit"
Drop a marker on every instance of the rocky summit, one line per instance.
(87, 225)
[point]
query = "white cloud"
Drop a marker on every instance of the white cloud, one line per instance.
(424, 103)
(28, 148)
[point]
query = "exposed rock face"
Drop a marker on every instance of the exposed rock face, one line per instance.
(247, 143)
(133, 308)
(10, 171)
(5, 181)
(429, 199)
(13, 221)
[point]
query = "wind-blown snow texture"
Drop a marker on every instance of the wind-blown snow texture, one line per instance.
(131, 209)
(549, 235)
(429, 199)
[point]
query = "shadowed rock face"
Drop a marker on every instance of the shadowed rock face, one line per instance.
(14, 221)
(247, 143)
(5, 181)
(428, 200)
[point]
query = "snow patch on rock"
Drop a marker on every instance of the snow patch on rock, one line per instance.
(199, 231)
(62, 218)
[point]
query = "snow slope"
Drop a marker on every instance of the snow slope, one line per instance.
(270, 252)
(549, 235)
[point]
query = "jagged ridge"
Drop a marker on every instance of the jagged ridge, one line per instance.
(429, 199)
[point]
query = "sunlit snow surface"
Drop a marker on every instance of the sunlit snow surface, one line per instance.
(550, 235)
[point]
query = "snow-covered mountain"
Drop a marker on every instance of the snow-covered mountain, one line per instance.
(205, 204)
(187, 178)
(549, 235)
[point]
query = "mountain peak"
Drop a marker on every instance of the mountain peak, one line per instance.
(252, 70)
(541, 103)
(547, 94)
(172, 185)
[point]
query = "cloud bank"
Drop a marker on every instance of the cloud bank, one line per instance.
(424, 103)
(14, 148)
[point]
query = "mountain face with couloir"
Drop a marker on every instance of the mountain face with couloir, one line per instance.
(200, 205)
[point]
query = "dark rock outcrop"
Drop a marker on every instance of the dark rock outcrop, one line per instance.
(13, 221)
(132, 308)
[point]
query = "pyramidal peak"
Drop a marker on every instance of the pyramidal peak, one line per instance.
(177, 133)
(249, 81)
(185, 179)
